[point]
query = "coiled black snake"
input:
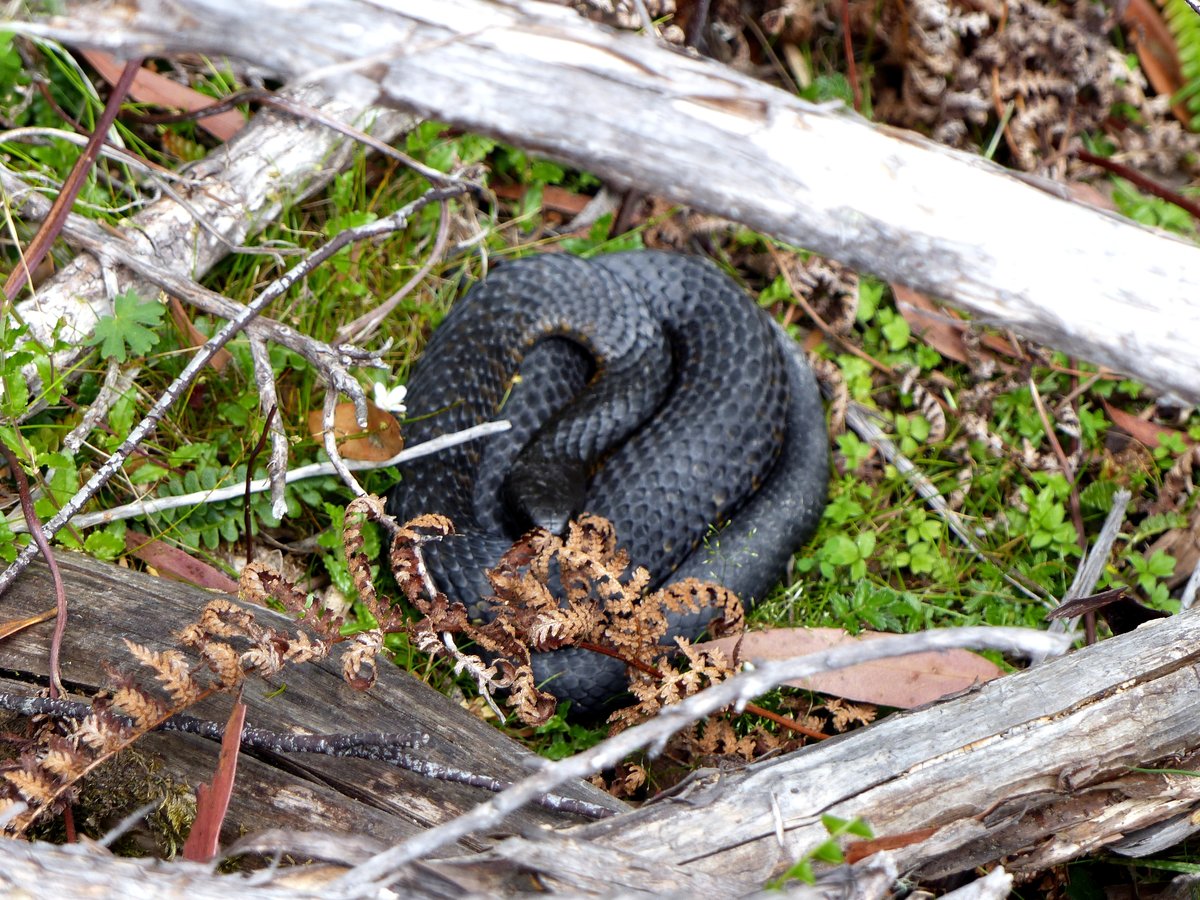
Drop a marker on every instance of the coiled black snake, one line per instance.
(652, 381)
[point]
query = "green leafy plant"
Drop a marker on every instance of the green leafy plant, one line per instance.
(828, 851)
(129, 330)
(1150, 573)
(1185, 28)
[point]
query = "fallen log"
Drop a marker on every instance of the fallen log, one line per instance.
(300, 792)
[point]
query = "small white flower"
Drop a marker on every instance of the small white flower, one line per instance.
(391, 399)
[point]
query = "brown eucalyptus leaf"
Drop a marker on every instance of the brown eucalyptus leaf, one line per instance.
(150, 87)
(902, 682)
(1144, 432)
(176, 564)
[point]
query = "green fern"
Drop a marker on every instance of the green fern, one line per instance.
(1184, 25)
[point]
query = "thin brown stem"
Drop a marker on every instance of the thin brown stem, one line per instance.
(22, 273)
(1141, 181)
(60, 594)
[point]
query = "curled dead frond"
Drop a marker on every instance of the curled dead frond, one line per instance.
(1039, 75)
(669, 684)
(550, 593)
(260, 583)
(358, 662)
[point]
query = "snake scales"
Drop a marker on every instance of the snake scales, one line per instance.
(652, 392)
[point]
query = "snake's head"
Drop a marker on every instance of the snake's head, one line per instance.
(546, 493)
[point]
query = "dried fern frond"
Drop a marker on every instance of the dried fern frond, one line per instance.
(171, 670)
(48, 776)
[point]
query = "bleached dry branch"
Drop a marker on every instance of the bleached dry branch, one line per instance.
(655, 733)
(156, 505)
(235, 192)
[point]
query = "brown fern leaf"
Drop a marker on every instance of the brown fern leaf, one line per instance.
(565, 627)
(264, 659)
(225, 663)
(144, 708)
(716, 737)
(34, 784)
(405, 558)
(360, 511)
(359, 659)
(63, 759)
(224, 618)
(259, 583)
(302, 649)
(926, 403)
(171, 670)
(693, 595)
(533, 707)
(846, 715)
(101, 732)
(627, 780)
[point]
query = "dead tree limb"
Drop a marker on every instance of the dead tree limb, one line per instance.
(235, 192)
(1086, 752)
(635, 113)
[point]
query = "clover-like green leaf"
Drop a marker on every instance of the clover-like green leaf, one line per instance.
(127, 332)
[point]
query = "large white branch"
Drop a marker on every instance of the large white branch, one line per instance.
(637, 113)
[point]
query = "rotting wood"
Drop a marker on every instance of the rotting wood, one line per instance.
(635, 113)
(300, 791)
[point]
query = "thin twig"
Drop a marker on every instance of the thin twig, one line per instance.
(1064, 463)
(116, 382)
(365, 325)
(22, 273)
(329, 440)
(303, 111)
(1189, 590)
(752, 708)
(364, 880)
(313, 470)
(858, 418)
(826, 328)
(269, 294)
(258, 448)
(1094, 560)
(60, 594)
(1149, 185)
(268, 401)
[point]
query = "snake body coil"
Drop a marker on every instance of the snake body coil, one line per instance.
(652, 392)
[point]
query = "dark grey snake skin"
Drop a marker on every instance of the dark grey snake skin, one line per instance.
(652, 381)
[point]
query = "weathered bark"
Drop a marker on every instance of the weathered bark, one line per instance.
(691, 130)
(1030, 770)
